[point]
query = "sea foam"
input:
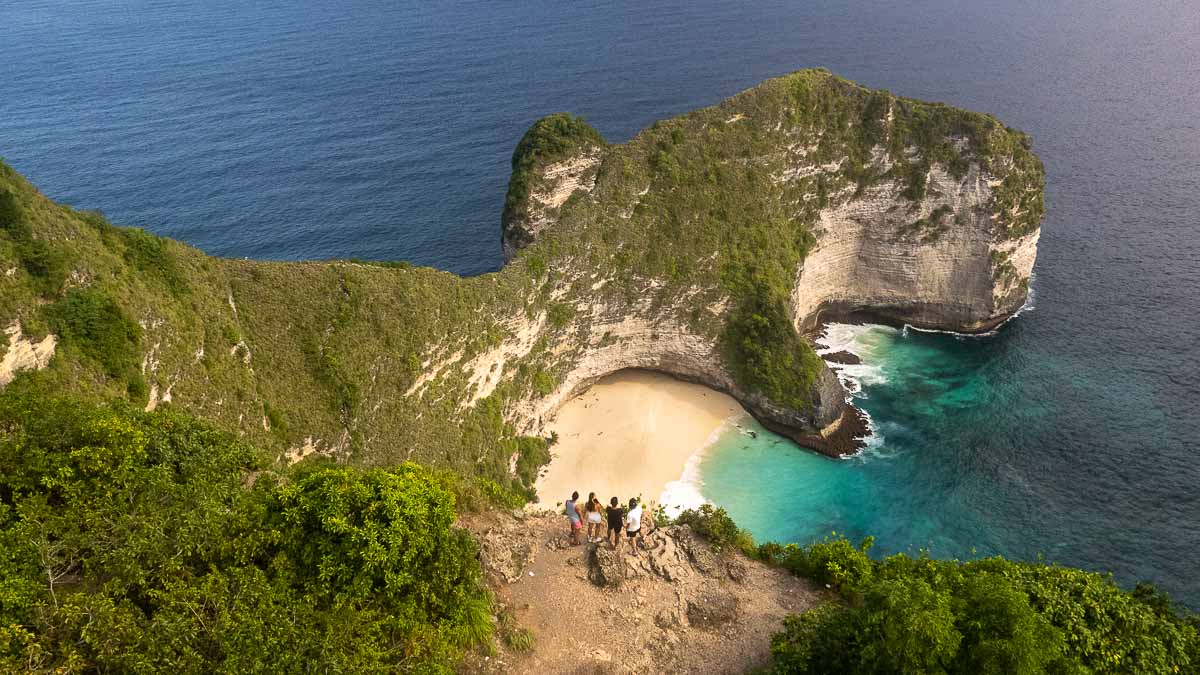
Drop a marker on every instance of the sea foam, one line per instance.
(686, 493)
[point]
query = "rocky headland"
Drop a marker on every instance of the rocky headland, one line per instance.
(703, 248)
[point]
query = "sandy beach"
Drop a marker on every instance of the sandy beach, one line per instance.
(632, 433)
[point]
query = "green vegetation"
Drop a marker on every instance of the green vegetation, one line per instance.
(550, 139)
(518, 639)
(700, 221)
(716, 527)
(134, 542)
(909, 615)
(930, 227)
(88, 320)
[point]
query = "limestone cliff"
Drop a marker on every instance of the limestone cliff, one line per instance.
(698, 248)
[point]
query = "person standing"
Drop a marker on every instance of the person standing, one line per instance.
(574, 517)
(633, 524)
(616, 521)
(594, 518)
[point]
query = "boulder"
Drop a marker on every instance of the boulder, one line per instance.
(712, 610)
(666, 559)
(506, 552)
(736, 569)
(698, 552)
(606, 567)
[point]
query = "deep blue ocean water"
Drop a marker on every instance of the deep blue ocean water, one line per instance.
(382, 129)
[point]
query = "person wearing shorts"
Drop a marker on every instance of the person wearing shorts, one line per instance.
(616, 521)
(595, 518)
(633, 524)
(574, 517)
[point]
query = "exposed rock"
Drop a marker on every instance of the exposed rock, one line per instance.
(607, 567)
(558, 543)
(698, 552)
(664, 556)
(506, 552)
(24, 354)
(842, 357)
(668, 619)
(712, 610)
(616, 286)
(863, 262)
(736, 569)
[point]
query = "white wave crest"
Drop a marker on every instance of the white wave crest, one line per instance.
(685, 493)
(852, 338)
(1028, 306)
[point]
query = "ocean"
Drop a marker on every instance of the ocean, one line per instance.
(383, 129)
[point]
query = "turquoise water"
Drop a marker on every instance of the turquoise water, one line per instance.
(384, 129)
(966, 459)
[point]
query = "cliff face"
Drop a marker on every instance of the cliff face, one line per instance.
(698, 248)
(850, 203)
(938, 263)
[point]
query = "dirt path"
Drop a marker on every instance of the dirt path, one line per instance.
(676, 608)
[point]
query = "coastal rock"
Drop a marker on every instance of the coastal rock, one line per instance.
(964, 275)
(736, 569)
(712, 610)
(649, 254)
(506, 552)
(606, 567)
(24, 353)
(698, 552)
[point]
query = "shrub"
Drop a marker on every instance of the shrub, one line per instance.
(12, 217)
(549, 139)
(150, 253)
(560, 315)
(715, 525)
(45, 264)
(766, 353)
(91, 322)
(518, 639)
(833, 561)
(532, 454)
(130, 542)
(904, 614)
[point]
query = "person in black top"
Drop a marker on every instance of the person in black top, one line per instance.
(616, 521)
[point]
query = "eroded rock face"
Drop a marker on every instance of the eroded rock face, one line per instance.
(951, 271)
(559, 181)
(505, 552)
(24, 354)
(941, 235)
(607, 567)
(804, 198)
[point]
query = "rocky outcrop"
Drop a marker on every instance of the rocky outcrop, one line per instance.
(24, 353)
(939, 263)
(673, 617)
(557, 182)
(702, 248)
(935, 227)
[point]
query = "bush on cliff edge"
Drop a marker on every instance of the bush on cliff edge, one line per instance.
(149, 542)
(908, 615)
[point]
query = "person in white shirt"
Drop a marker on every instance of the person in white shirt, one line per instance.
(633, 524)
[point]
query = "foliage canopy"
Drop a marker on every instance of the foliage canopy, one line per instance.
(133, 542)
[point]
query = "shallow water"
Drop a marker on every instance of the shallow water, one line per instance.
(383, 129)
(977, 450)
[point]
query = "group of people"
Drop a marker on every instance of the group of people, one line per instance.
(594, 514)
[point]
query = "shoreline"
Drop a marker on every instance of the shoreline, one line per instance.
(633, 433)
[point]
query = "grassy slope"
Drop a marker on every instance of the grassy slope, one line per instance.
(686, 214)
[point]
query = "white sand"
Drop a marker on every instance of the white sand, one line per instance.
(631, 434)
